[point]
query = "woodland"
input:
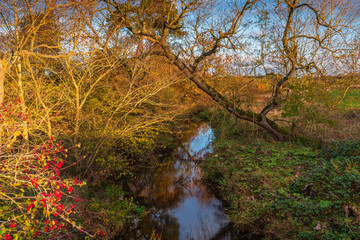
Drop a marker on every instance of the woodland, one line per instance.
(92, 90)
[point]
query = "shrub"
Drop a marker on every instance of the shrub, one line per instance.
(35, 202)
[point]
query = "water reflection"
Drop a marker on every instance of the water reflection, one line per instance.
(198, 145)
(183, 208)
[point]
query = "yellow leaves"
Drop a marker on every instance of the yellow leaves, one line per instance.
(3, 64)
(17, 133)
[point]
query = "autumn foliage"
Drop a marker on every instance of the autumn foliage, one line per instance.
(35, 201)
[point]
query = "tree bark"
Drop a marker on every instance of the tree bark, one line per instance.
(191, 72)
(259, 119)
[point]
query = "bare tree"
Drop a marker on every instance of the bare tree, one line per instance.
(304, 29)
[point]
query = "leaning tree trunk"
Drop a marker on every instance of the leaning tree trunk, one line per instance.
(250, 116)
(141, 29)
(259, 119)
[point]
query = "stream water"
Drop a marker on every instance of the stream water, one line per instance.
(182, 207)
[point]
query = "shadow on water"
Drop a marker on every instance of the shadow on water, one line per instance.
(181, 205)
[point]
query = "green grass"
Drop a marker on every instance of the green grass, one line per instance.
(350, 101)
(286, 190)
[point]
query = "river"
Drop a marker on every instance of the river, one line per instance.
(182, 207)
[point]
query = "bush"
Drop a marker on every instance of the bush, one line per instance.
(35, 202)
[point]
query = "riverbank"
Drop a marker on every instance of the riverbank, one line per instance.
(157, 180)
(285, 190)
(111, 208)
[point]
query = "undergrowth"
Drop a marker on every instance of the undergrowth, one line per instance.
(286, 190)
(108, 210)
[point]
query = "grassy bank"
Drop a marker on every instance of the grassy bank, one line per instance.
(285, 190)
(348, 101)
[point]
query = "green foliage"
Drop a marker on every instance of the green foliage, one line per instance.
(327, 187)
(351, 99)
(306, 100)
(287, 191)
(108, 211)
(124, 153)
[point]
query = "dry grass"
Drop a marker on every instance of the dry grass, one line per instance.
(346, 126)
